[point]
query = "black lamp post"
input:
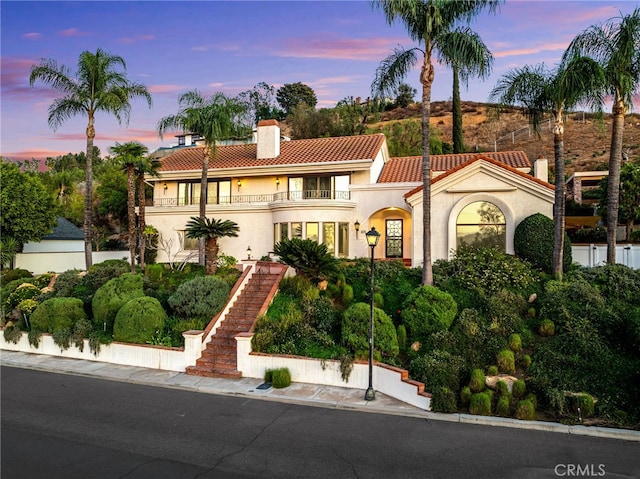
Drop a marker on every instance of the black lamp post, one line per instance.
(372, 240)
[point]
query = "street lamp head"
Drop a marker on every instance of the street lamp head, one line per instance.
(372, 237)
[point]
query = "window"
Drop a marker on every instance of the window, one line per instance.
(343, 239)
(218, 192)
(319, 187)
(284, 231)
(329, 236)
(312, 232)
(188, 243)
(481, 224)
(296, 230)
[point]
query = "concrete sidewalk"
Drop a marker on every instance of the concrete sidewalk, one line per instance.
(297, 393)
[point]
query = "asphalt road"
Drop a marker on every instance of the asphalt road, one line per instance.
(63, 426)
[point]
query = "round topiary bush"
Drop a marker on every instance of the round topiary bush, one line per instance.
(139, 320)
(547, 328)
(465, 395)
(57, 313)
(477, 382)
(281, 378)
(480, 404)
(114, 294)
(586, 404)
(427, 310)
(525, 411)
(355, 330)
(533, 241)
(519, 388)
(503, 407)
(200, 298)
(506, 361)
(443, 400)
(515, 342)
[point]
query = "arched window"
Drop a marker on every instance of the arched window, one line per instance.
(481, 224)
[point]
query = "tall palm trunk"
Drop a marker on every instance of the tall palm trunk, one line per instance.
(559, 204)
(142, 222)
(458, 139)
(615, 161)
(131, 209)
(88, 203)
(212, 255)
(426, 78)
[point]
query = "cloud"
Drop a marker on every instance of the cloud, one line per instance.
(32, 36)
(365, 49)
(557, 46)
(72, 32)
(160, 89)
(15, 81)
(225, 47)
(136, 39)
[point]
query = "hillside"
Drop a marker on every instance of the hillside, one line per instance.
(586, 142)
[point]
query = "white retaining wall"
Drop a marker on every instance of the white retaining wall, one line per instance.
(39, 263)
(596, 254)
(145, 356)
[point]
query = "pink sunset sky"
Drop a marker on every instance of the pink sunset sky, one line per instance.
(172, 47)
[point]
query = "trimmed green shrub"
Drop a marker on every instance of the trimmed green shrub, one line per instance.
(114, 294)
(515, 343)
(534, 400)
(547, 328)
(347, 295)
(57, 313)
(533, 242)
(355, 330)
(503, 406)
(477, 381)
(9, 275)
(443, 399)
(525, 411)
(139, 320)
(280, 378)
(436, 369)
(100, 273)
(492, 370)
(22, 292)
(519, 388)
(465, 395)
(200, 298)
(506, 361)
(427, 310)
(67, 282)
(502, 389)
(378, 300)
(526, 361)
(268, 376)
(480, 404)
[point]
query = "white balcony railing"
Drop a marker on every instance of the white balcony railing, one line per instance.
(260, 198)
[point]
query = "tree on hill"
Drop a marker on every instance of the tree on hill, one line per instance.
(615, 45)
(427, 22)
(98, 85)
(291, 95)
(211, 230)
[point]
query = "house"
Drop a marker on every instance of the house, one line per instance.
(65, 238)
(333, 190)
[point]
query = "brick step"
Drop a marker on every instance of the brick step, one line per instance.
(218, 373)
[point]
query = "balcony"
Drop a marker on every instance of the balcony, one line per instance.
(256, 199)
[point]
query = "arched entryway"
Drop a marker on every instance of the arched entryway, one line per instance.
(394, 226)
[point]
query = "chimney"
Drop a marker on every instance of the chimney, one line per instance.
(541, 169)
(268, 139)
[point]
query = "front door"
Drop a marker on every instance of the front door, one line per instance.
(393, 241)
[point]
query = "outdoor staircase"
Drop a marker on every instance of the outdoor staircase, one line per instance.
(219, 358)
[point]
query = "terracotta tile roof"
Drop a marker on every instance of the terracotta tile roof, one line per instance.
(409, 168)
(318, 150)
(482, 157)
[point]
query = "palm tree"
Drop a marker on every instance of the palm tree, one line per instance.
(145, 166)
(129, 155)
(427, 22)
(96, 86)
(210, 230)
(467, 55)
(214, 119)
(615, 45)
(539, 91)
